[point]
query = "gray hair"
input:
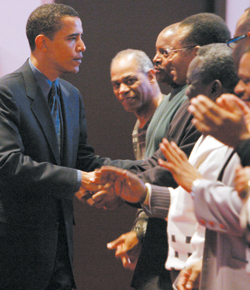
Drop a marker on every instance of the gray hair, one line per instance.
(217, 64)
(143, 61)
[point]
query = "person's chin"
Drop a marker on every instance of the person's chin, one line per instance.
(159, 77)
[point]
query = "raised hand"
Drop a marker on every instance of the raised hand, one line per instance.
(226, 120)
(177, 163)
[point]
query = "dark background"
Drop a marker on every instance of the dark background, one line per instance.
(111, 26)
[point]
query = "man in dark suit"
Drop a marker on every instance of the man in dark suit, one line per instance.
(38, 154)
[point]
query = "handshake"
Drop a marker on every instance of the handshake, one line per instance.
(108, 188)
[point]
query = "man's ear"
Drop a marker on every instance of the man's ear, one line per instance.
(215, 89)
(196, 48)
(151, 76)
(41, 42)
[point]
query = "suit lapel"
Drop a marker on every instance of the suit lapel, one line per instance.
(40, 109)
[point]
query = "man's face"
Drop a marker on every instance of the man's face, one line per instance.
(195, 85)
(131, 87)
(242, 89)
(161, 59)
(241, 28)
(181, 59)
(64, 51)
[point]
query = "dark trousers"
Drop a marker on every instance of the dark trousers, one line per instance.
(62, 277)
(150, 272)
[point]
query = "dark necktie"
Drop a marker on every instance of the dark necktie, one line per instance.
(54, 105)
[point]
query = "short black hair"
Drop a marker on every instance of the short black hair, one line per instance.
(205, 28)
(46, 20)
(217, 64)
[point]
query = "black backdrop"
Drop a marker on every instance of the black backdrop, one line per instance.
(110, 26)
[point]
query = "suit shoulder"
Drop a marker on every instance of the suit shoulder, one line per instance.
(15, 78)
(11, 78)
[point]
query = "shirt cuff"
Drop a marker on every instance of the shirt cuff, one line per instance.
(159, 201)
(194, 186)
(148, 195)
(78, 180)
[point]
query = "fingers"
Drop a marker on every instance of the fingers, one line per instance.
(171, 151)
(189, 276)
(192, 279)
(83, 195)
(124, 252)
(105, 200)
(201, 126)
(99, 199)
(106, 173)
(174, 155)
(127, 263)
(179, 152)
(182, 280)
(114, 244)
(232, 103)
(167, 165)
(205, 110)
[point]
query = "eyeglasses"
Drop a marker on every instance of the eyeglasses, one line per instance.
(171, 51)
(166, 52)
(233, 41)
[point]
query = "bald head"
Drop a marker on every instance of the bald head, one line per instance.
(161, 60)
(169, 31)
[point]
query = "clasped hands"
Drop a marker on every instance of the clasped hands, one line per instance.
(109, 186)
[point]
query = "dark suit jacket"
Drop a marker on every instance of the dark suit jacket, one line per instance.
(155, 246)
(35, 185)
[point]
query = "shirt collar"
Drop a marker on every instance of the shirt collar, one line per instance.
(43, 82)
